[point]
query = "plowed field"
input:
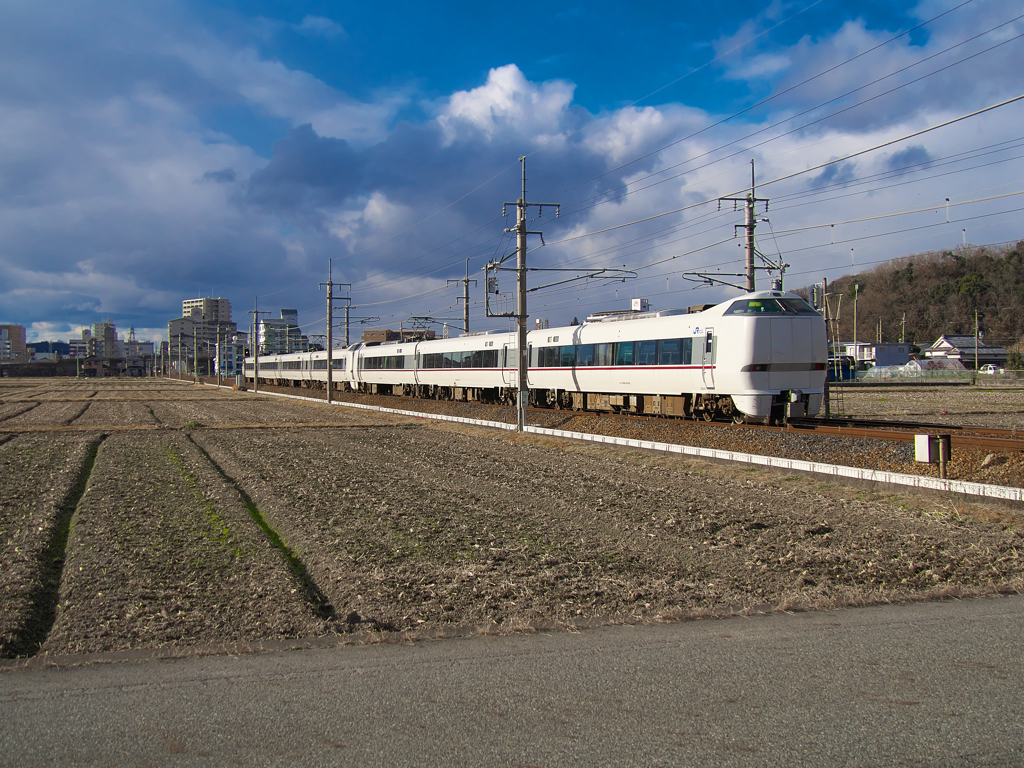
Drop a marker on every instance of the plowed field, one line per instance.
(194, 516)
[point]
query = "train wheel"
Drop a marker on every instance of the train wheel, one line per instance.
(738, 418)
(708, 414)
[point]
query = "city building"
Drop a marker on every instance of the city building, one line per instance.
(80, 346)
(194, 336)
(281, 335)
(103, 342)
(406, 334)
(231, 354)
(12, 343)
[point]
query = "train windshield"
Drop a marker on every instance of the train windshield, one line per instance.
(788, 306)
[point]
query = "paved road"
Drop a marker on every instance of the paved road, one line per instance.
(926, 684)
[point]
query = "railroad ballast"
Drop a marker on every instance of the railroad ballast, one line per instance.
(759, 357)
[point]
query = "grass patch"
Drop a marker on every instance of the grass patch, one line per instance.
(312, 593)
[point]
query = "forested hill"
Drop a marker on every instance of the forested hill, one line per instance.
(938, 293)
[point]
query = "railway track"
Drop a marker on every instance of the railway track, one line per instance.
(979, 438)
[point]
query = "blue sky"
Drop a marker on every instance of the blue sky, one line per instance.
(152, 152)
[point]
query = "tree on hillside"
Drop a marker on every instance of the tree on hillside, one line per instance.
(936, 293)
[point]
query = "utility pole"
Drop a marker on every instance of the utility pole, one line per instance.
(750, 201)
(856, 297)
(465, 297)
(521, 231)
(330, 325)
(256, 343)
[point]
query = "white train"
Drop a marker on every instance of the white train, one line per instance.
(760, 357)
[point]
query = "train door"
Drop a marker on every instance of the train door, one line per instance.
(707, 359)
(354, 373)
(509, 366)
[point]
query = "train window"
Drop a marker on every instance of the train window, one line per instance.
(546, 357)
(756, 307)
(585, 355)
(624, 353)
(248, 366)
(647, 353)
(798, 306)
(792, 306)
(489, 358)
(568, 357)
(687, 351)
(319, 365)
(335, 363)
(603, 354)
(669, 351)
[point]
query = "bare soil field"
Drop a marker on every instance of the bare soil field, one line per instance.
(48, 413)
(246, 518)
(119, 412)
(38, 479)
(163, 551)
(980, 406)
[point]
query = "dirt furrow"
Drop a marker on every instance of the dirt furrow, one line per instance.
(163, 551)
(10, 410)
(41, 480)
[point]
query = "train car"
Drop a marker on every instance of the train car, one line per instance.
(760, 357)
(300, 369)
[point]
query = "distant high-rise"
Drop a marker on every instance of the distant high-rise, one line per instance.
(12, 343)
(193, 337)
(210, 311)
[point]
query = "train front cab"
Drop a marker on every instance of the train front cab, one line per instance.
(782, 344)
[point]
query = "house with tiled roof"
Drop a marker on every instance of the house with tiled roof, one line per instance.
(962, 348)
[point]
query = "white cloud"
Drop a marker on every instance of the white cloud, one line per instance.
(508, 104)
(322, 27)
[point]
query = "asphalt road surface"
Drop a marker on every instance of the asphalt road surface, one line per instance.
(924, 684)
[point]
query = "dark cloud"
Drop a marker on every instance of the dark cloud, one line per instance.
(835, 174)
(223, 176)
(916, 156)
(306, 171)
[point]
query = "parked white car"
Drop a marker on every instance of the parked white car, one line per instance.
(990, 368)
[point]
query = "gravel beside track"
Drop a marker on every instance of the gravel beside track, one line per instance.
(38, 475)
(163, 551)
